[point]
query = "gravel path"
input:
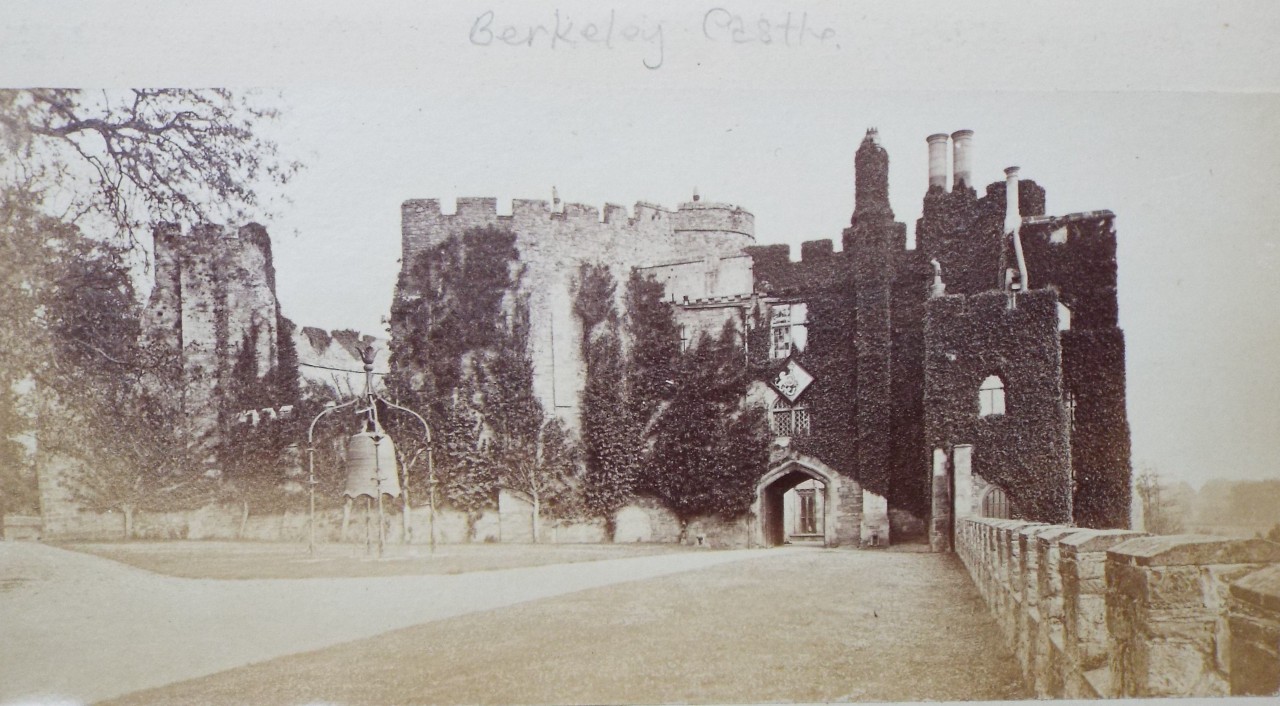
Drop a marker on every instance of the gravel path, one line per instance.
(83, 628)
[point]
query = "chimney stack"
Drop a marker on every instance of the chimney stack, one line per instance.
(1013, 223)
(962, 159)
(1012, 217)
(938, 160)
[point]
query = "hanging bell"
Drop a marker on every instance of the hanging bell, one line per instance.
(371, 466)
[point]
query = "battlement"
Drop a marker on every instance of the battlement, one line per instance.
(959, 312)
(690, 216)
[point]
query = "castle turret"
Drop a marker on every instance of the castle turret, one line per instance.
(871, 180)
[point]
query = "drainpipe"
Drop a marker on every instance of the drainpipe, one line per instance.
(1013, 224)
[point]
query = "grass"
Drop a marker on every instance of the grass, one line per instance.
(254, 560)
(807, 625)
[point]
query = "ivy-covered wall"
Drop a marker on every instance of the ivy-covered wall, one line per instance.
(1026, 450)
(1076, 256)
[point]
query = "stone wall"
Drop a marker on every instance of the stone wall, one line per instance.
(552, 243)
(215, 288)
(1116, 613)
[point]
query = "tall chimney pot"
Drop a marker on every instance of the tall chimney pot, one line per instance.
(962, 158)
(938, 160)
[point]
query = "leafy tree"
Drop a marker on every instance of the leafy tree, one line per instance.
(655, 348)
(533, 458)
(708, 450)
(610, 433)
(126, 453)
(1160, 514)
(252, 457)
(17, 478)
(129, 158)
(465, 473)
(107, 163)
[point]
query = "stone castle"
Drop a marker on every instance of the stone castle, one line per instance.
(980, 373)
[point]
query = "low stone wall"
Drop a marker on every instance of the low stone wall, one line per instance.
(1116, 613)
(642, 521)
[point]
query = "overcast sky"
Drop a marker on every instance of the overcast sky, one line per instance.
(1164, 113)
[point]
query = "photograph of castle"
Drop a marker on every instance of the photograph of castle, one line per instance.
(753, 378)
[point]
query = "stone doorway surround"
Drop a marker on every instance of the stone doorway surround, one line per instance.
(840, 519)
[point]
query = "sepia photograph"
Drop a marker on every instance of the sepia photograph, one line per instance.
(639, 353)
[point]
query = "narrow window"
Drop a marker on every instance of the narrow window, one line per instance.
(991, 397)
(808, 511)
(788, 329)
(780, 331)
(1070, 404)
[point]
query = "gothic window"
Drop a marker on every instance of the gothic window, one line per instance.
(996, 504)
(991, 397)
(789, 420)
(788, 330)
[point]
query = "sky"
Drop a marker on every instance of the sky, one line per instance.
(1164, 113)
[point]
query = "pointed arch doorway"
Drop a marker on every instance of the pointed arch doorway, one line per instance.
(812, 514)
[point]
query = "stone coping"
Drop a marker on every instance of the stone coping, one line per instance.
(1183, 549)
(1095, 540)
(1261, 588)
(1056, 533)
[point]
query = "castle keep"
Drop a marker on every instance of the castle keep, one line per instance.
(979, 373)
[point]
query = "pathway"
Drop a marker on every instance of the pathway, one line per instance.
(78, 627)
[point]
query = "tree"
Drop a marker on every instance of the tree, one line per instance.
(107, 163)
(1160, 515)
(655, 347)
(126, 453)
(708, 449)
(610, 433)
(533, 458)
(107, 407)
(17, 479)
(465, 473)
(251, 453)
(127, 159)
(446, 321)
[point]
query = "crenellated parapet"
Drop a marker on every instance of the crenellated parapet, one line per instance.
(424, 222)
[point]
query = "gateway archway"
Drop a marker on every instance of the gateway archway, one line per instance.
(796, 503)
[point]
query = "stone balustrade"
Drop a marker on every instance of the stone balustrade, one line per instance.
(1116, 613)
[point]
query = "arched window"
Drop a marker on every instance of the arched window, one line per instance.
(991, 396)
(789, 420)
(996, 504)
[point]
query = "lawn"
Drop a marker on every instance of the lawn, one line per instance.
(260, 560)
(802, 625)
